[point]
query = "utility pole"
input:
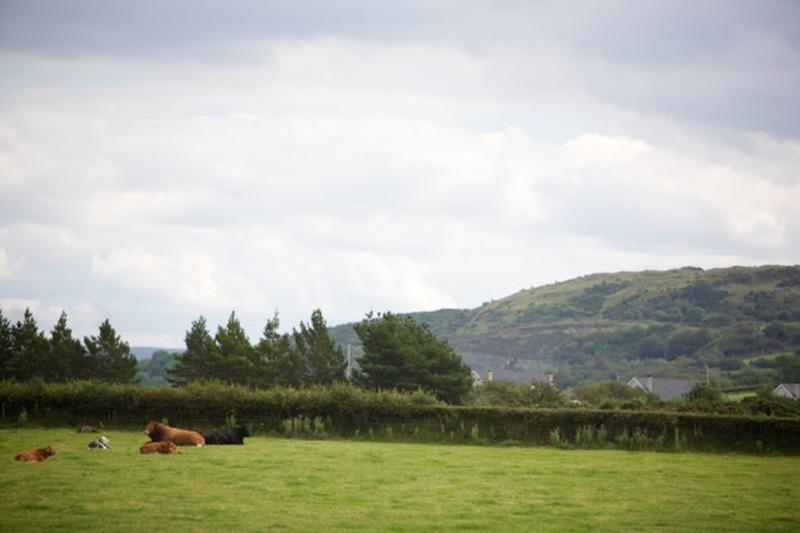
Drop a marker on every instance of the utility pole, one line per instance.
(349, 368)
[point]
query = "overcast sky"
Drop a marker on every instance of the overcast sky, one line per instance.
(159, 162)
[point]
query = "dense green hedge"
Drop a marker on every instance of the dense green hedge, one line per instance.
(348, 411)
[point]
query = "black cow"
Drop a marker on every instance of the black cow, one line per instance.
(227, 435)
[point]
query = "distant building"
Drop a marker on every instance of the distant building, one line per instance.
(788, 390)
(477, 380)
(665, 389)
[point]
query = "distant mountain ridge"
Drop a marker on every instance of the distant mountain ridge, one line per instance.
(601, 326)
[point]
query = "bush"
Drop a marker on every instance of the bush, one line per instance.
(344, 410)
(598, 393)
(509, 394)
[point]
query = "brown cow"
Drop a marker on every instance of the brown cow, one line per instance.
(87, 429)
(164, 446)
(182, 437)
(36, 454)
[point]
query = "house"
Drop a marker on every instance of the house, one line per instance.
(477, 380)
(665, 389)
(788, 390)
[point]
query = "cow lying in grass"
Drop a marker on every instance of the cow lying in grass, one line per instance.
(182, 437)
(164, 446)
(36, 454)
(227, 435)
(102, 443)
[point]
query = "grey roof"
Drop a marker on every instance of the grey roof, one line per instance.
(505, 374)
(666, 389)
(793, 388)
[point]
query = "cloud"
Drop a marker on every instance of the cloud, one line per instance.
(6, 268)
(411, 165)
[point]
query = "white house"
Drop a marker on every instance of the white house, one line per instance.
(788, 390)
(665, 389)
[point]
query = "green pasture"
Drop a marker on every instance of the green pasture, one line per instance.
(286, 484)
(739, 396)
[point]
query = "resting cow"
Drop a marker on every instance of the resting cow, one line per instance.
(102, 443)
(87, 429)
(164, 446)
(36, 454)
(182, 437)
(227, 435)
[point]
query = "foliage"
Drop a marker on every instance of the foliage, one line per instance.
(766, 403)
(324, 360)
(606, 326)
(508, 394)
(29, 357)
(274, 360)
(600, 392)
(152, 372)
(27, 354)
(6, 347)
(283, 364)
(109, 357)
(400, 353)
(68, 358)
(347, 410)
(788, 367)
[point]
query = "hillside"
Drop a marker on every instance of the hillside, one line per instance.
(604, 326)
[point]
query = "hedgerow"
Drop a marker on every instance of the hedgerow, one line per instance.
(346, 411)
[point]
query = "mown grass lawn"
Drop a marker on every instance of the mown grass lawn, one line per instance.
(273, 483)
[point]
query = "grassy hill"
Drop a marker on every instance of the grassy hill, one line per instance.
(604, 326)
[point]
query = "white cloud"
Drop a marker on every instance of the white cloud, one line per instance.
(6, 268)
(355, 175)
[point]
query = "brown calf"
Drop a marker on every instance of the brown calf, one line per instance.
(164, 446)
(36, 454)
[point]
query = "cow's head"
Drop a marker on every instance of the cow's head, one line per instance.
(153, 428)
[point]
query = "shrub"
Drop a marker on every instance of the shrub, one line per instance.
(346, 411)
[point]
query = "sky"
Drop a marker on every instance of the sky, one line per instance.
(165, 160)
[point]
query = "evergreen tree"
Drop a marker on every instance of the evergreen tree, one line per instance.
(282, 364)
(109, 357)
(201, 358)
(400, 353)
(6, 347)
(29, 349)
(324, 360)
(67, 356)
(238, 358)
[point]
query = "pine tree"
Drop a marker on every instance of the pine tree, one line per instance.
(29, 350)
(201, 358)
(237, 356)
(282, 364)
(6, 347)
(324, 360)
(67, 356)
(400, 353)
(109, 357)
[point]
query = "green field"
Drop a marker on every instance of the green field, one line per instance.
(273, 483)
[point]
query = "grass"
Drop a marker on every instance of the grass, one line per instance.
(739, 396)
(273, 484)
(765, 357)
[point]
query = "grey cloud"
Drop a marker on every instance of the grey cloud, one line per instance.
(722, 63)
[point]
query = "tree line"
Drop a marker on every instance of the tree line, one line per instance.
(398, 353)
(26, 353)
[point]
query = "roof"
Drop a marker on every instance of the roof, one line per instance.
(792, 388)
(666, 389)
(516, 376)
